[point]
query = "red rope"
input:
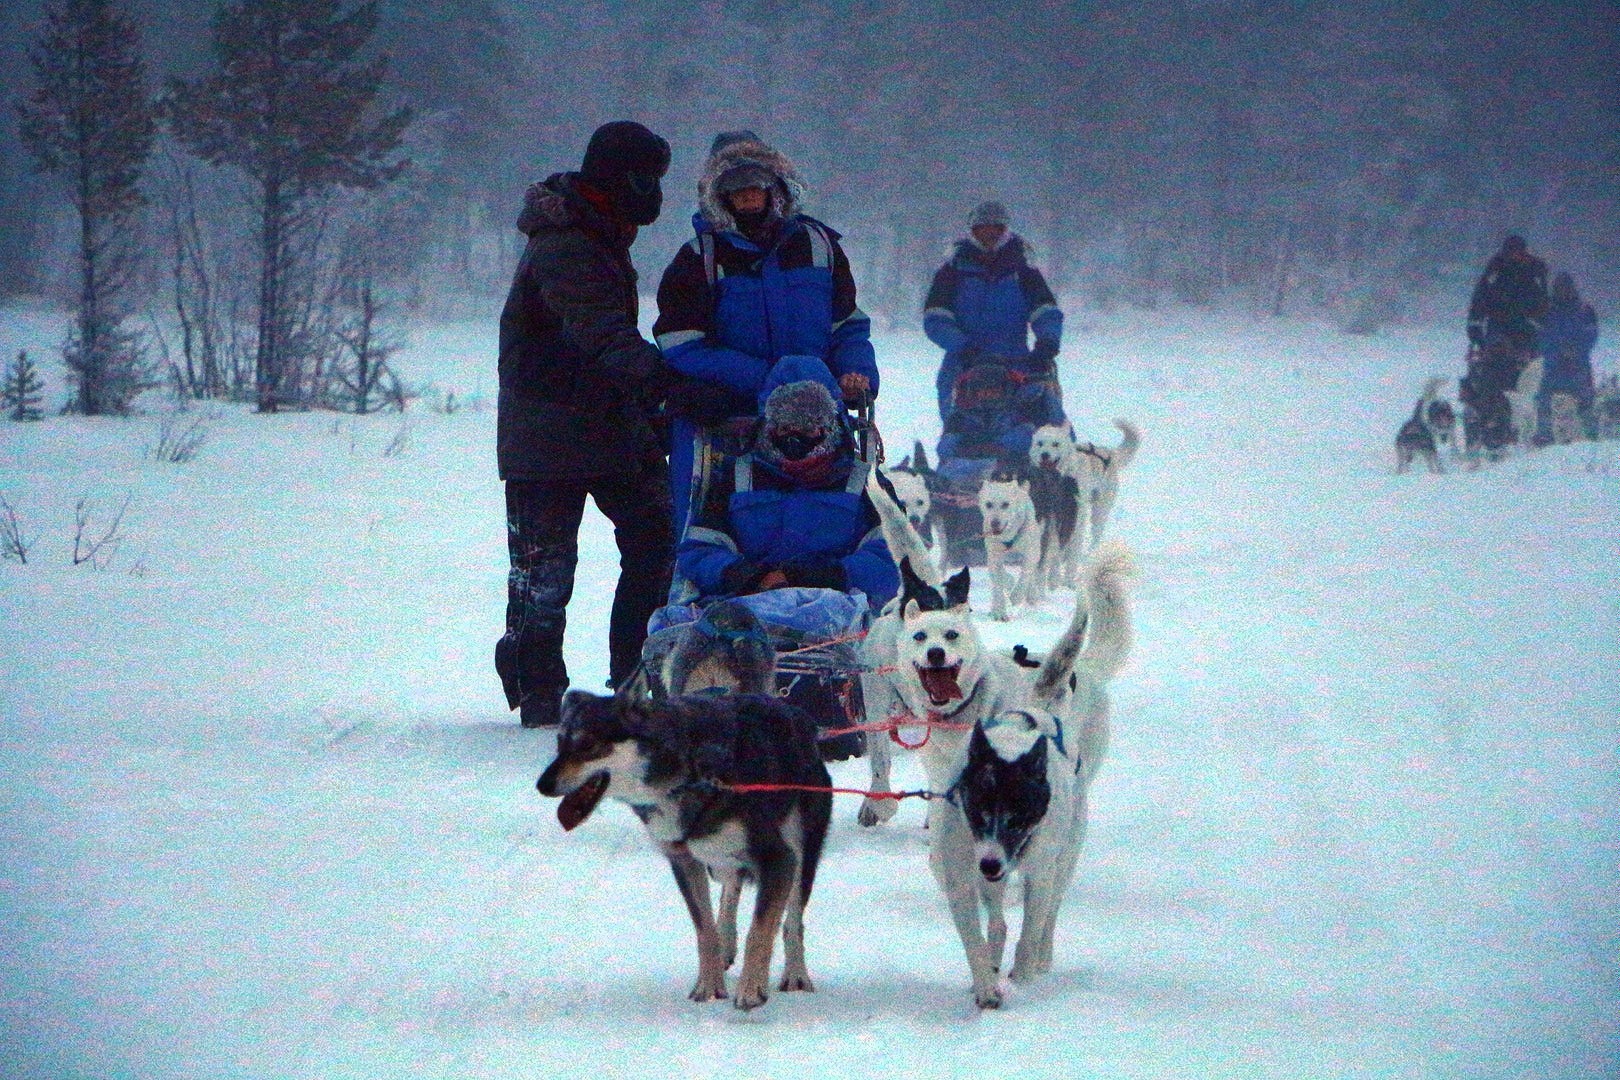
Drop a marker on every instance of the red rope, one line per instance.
(896, 795)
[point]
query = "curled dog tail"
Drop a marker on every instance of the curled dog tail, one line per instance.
(898, 531)
(1102, 622)
(1127, 448)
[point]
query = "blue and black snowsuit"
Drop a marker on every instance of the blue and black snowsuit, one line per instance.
(982, 307)
(755, 519)
(739, 317)
(1569, 332)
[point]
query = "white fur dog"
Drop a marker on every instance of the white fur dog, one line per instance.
(1010, 531)
(1522, 402)
(1099, 468)
(1055, 489)
(1017, 799)
(913, 483)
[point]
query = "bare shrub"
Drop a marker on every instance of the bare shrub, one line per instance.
(98, 551)
(13, 545)
(179, 437)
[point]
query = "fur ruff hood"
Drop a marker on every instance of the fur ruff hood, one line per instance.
(787, 198)
(549, 204)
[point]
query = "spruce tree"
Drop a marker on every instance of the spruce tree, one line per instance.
(20, 392)
(90, 121)
(290, 106)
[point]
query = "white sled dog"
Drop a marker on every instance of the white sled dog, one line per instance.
(926, 661)
(1017, 797)
(1011, 531)
(1098, 472)
(914, 481)
(1522, 402)
(1054, 488)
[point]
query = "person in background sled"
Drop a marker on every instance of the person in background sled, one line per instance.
(792, 510)
(1568, 334)
(982, 307)
(761, 297)
(579, 387)
(1503, 336)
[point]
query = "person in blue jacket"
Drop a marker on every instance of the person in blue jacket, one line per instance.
(983, 306)
(791, 511)
(1569, 331)
(762, 296)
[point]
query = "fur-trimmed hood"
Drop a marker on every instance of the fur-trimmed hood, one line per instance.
(787, 198)
(551, 203)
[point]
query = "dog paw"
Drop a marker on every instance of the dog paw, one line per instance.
(709, 988)
(988, 997)
(750, 996)
(876, 811)
(796, 980)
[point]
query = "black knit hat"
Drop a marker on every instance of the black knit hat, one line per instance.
(626, 160)
(624, 146)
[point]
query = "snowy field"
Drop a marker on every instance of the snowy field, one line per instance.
(263, 813)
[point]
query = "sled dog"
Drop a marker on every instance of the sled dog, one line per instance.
(1098, 472)
(727, 650)
(1564, 418)
(674, 762)
(1606, 408)
(1011, 531)
(1441, 416)
(1054, 488)
(1415, 439)
(1522, 402)
(1017, 798)
(914, 481)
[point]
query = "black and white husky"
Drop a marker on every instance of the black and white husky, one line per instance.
(1017, 798)
(677, 762)
(1415, 440)
(914, 482)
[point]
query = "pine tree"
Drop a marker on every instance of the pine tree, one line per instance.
(289, 106)
(89, 119)
(20, 393)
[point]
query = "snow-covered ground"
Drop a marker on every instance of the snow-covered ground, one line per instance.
(263, 813)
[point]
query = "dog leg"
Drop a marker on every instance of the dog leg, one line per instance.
(995, 921)
(998, 581)
(795, 975)
(950, 854)
(778, 875)
(876, 811)
(730, 899)
(693, 880)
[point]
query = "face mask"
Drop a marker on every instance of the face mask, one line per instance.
(640, 198)
(794, 446)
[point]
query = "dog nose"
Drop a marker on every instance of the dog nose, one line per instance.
(936, 657)
(990, 867)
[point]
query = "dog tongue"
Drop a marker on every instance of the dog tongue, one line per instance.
(940, 684)
(578, 804)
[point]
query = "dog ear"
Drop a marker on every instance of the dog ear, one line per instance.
(910, 611)
(956, 588)
(887, 485)
(919, 458)
(914, 590)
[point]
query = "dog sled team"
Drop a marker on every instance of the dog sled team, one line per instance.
(783, 602)
(1529, 379)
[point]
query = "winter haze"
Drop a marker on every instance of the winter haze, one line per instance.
(264, 814)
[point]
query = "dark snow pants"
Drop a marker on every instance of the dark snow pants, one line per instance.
(1488, 419)
(542, 521)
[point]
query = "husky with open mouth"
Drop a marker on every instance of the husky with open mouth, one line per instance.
(678, 763)
(1017, 800)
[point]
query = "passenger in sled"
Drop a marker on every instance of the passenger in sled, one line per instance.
(786, 528)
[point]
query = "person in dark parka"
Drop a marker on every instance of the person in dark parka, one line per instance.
(1504, 324)
(579, 389)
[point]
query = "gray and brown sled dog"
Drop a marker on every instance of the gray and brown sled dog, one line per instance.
(1416, 440)
(725, 650)
(1017, 798)
(677, 762)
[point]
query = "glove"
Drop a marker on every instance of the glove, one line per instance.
(1044, 352)
(1476, 332)
(741, 577)
(815, 574)
(705, 403)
